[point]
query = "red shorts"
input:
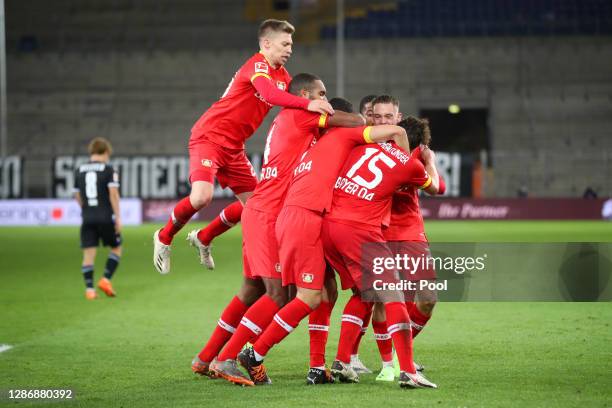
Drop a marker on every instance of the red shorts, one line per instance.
(298, 231)
(259, 243)
(231, 167)
(342, 244)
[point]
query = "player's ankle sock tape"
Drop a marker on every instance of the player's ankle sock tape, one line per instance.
(398, 326)
(282, 324)
(352, 321)
(252, 324)
(318, 331)
(364, 329)
(111, 265)
(418, 320)
(383, 340)
(226, 326)
(88, 272)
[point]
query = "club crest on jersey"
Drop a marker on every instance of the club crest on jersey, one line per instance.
(307, 277)
(207, 163)
(261, 67)
(277, 267)
(281, 85)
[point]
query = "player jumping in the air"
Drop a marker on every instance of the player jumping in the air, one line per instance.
(298, 231)
(96, 190)
(216, 146)
(291, 133)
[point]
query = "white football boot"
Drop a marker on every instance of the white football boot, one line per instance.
(161, 255)
(204, 251)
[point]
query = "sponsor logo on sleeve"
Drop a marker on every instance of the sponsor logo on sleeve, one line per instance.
(261, 67)
(277, 267)
(207, 163)
(281, 85)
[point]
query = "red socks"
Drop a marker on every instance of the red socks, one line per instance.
(352, 321)
(417, 319)
(225, 328)
(364, 329)
(383, 341)
(283, 323)
(227, 218)
(318, 329)
(253, 323)
(398, 326)
(182, 213)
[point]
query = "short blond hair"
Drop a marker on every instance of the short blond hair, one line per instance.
(277, 26)
(100, 145)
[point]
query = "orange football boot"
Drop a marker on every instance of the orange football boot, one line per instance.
(105, 286)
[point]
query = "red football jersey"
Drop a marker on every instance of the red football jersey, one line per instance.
(365, 187)
(314, 176)
(235, 117)
(291, 133)
(406, 223)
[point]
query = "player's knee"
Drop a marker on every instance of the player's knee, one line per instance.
(200, 199)
(117, 251)
(310, 297)
(278, 296)
(426, 306)
(249, 294)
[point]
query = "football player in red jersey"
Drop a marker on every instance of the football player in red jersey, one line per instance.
(362, 200)
(291, 133)
(406, 234)
(298, 230)
(216, 145)
(365, 108)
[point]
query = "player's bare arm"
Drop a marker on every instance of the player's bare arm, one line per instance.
(77, 197)
(383, 133)
(343, 119)
(429, 158)
(113, 193)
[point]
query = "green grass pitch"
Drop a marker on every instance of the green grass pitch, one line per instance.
(135, 350)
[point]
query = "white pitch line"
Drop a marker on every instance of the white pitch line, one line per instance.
(5, 347)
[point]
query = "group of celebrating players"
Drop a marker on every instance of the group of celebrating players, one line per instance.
(331, 182)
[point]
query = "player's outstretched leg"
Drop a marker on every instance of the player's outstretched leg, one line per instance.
(398, 326)
(200, 197)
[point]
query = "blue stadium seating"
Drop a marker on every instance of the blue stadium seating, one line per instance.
(451, 18)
